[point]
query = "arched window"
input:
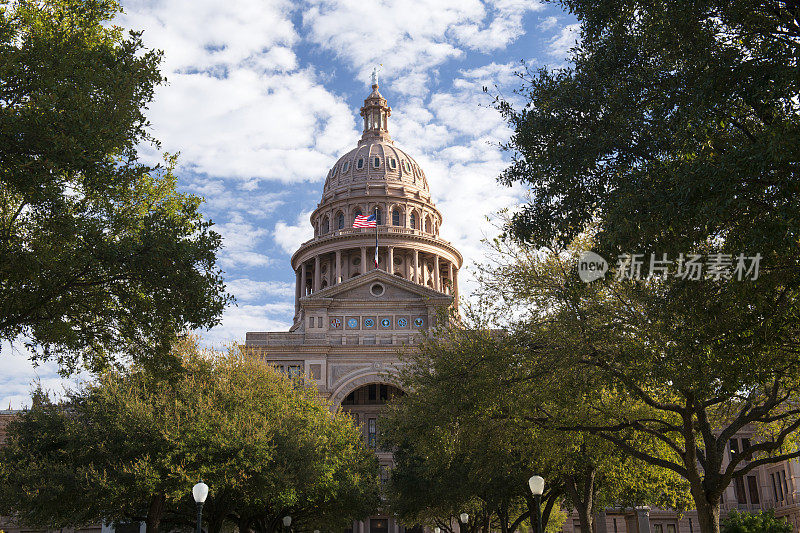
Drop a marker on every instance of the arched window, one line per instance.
(395, 217)
(356, 213)
(326, 226)
(413, 221)
(427, 224)
(340, 220)
(378, 216)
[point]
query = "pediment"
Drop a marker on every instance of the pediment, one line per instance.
(395, 288)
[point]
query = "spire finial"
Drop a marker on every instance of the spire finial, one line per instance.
(374, 76)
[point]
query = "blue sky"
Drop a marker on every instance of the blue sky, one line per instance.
(263, 97)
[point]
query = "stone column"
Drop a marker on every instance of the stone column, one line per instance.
(297, 294)
(317, 274)
(450, 275)
(416, 266)
(436, 276)
(363, 259)
(338, 266)
(303, 277)
(642, 520)
(455, 285)
(390, 260)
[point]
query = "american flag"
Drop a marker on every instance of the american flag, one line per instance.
(364, 221)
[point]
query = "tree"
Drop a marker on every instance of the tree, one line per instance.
(670, 394)
(461, 438)
(674, 132)
(99, 253)
(761, 522)
(132, 445)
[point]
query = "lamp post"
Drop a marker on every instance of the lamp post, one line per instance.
(287, 521)
(536, 484)
(200, 493)
(464, 517)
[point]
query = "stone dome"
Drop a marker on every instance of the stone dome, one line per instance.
(375, 178)
(375, 159)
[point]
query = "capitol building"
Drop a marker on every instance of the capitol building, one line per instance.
(364, 292)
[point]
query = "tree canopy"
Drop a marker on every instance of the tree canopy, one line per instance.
(100, 254)
(463, 439)
(131, 446)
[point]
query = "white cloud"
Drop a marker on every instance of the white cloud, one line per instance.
(247, 290)
(238, 320)
(411, 38)
(560, 45)
(236, 105)
(290, 236)
(240, 238)
(548, 23)
(207, 34)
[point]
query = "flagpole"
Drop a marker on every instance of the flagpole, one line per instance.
(376, 238)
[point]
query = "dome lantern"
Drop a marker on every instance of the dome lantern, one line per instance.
(376, 113)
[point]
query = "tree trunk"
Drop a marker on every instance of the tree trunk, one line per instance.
(707, 510)
(154, 512)
(215, 522)
(583, 503)
(548, 508)
(502, 514)
(243, 524)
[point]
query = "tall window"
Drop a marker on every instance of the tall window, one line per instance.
(360, 163)
(372, 432)
(340, 220)
(413, 221)
(427, 224)
(752, 488)
(326, 225)
(738, 489)
(395, 217)
(378, 216)
(356, 213)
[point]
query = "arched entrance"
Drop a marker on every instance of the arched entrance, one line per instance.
(365, 403)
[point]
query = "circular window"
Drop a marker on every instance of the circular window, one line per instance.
(357, 261)
(377, 289)
(398, 261)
